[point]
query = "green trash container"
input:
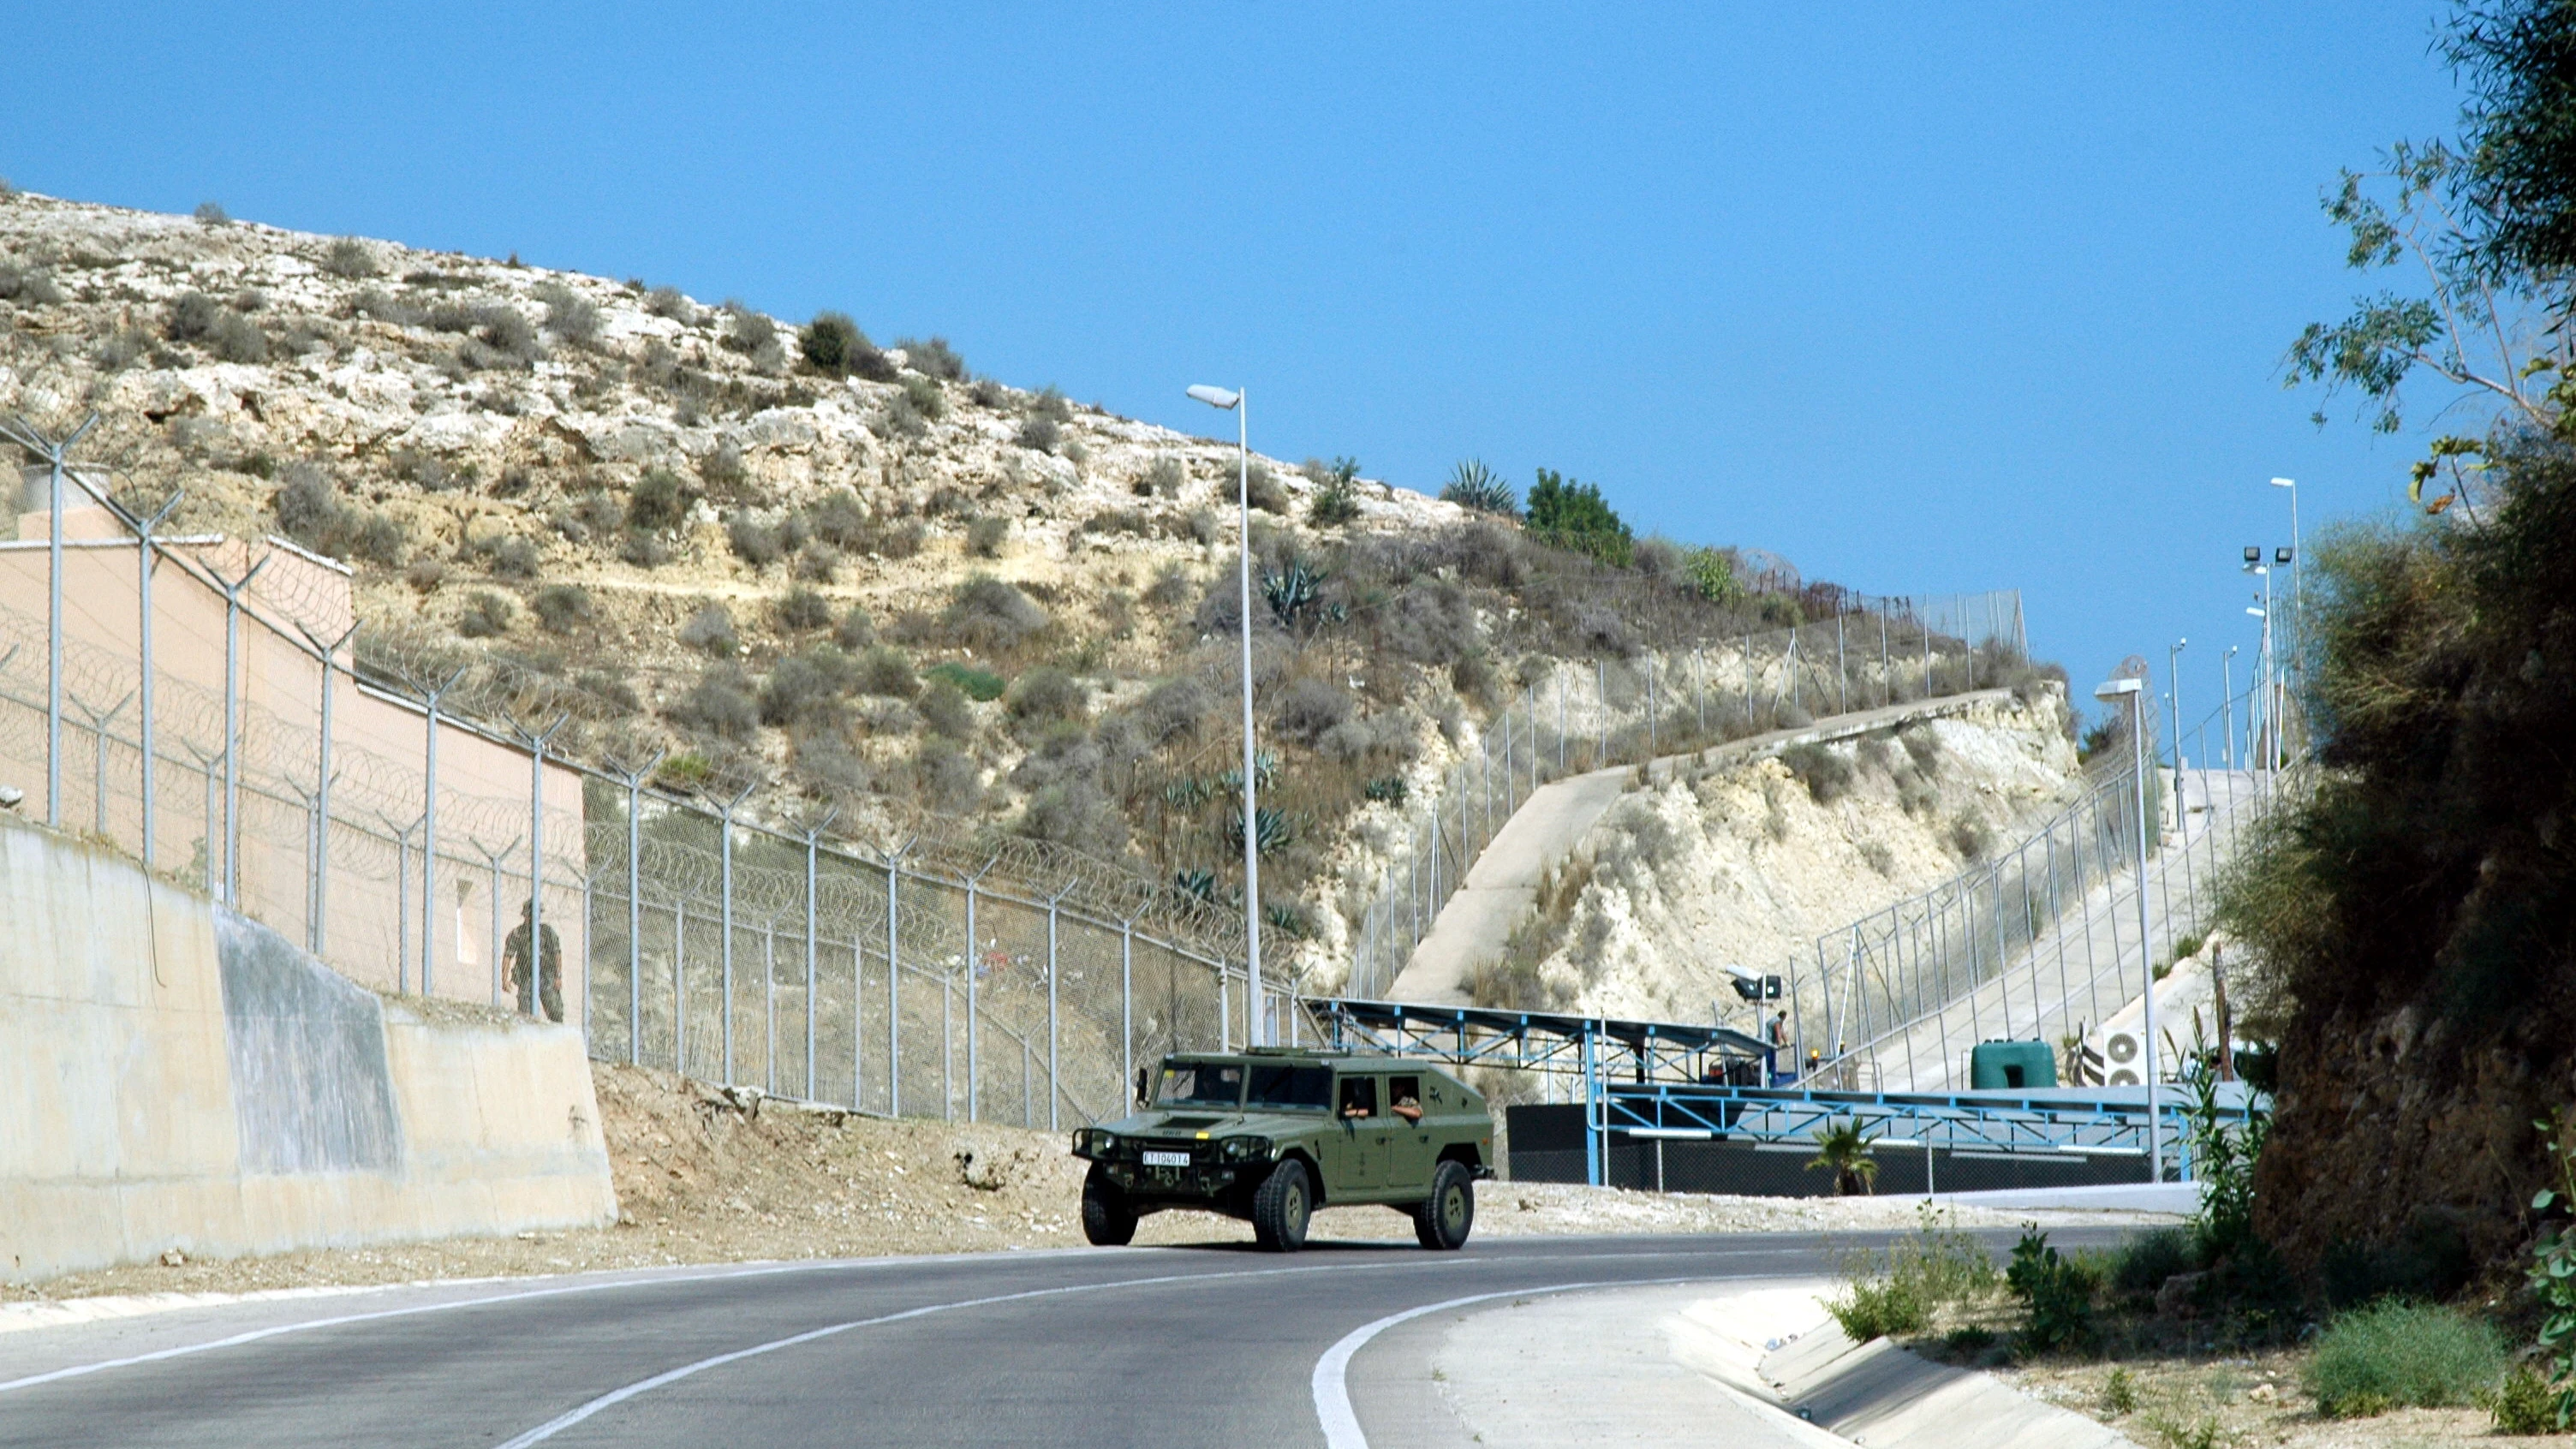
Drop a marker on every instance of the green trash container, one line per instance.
(2012, 1065)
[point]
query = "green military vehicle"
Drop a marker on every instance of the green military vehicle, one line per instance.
(1272, 1134)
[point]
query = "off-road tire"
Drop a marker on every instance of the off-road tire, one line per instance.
(1442, 1221)
(1108, 1218)
(1282, 1206)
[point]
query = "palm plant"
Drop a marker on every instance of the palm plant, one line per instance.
(1842, 1150)
(1473, 485)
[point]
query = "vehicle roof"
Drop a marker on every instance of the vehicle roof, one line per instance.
(1277, 1056)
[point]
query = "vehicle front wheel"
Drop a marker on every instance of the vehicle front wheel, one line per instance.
(1108, 1218)
(1280, 1209)
(1444, 1218)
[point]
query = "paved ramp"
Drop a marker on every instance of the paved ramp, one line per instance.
(1501, 888)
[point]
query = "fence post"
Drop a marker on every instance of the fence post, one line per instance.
(974, 969)
(813, 837)
(635, 907)
(1559, 672)
(328, 653)
(724, 841)
(1054, 1081)
(894, 990)
(232, 593)
(1653, 736)
(1601, 701)
(1886, 671)
(769, 1005)
(534, 965)
(1127, 1005)
(143, 571)
(1842, 674)
(680, 986)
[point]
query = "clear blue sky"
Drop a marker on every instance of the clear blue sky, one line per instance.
(1934, 297)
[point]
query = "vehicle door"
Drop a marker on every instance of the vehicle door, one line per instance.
(1410, 1149)
(1359, 1135)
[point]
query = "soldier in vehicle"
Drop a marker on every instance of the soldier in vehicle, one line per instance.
(1272, 1135)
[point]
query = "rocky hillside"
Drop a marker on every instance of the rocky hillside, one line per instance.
(838, 573)
(1748, 864)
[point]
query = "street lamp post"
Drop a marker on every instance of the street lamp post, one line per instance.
(2298, 575)
(1233, 401)
(2173, 701)
(2131, 690)
(2227, 706)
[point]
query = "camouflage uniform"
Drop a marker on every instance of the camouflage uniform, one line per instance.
(514, 967)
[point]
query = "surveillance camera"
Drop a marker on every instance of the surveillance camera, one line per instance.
(10, 796)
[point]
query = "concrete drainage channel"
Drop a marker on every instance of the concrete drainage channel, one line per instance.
(1746, 1364)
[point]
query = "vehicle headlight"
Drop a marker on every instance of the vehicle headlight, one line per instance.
(1245, 1149)
(1094, 1142)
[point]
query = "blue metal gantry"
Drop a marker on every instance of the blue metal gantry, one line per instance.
(1677, 1082)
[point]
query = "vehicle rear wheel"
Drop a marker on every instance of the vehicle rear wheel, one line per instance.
(1443, 1220)
(1280, 1209)
(1108, 1218)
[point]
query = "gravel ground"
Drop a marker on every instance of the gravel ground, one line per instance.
(2248, 1401)
(707, 1176)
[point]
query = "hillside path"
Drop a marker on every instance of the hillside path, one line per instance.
(1501, 888)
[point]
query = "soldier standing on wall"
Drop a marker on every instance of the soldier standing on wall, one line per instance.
(514, 965)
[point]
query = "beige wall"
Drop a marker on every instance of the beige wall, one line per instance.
(127, 1120)
(378, 744)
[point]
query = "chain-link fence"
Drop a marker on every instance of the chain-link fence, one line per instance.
(416, 853)
(2042, 942)
(1879, 652)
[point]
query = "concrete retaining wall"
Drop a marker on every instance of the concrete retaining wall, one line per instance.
(173, 1075)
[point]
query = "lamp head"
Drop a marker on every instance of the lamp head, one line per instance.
(2115, 689)
(2285, 482)
(2253, 554)
(2281, 556)
(2257, 611)
(1215, 397)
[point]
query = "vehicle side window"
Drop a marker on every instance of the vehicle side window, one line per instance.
(1358, 1097)
(1404, 1097)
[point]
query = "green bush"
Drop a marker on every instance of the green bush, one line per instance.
(1337, 495)
(1574, 516)
(659, 500)
(803, 608)
(2056, 1293)
(486, 616)
(1898, 1291)
(2145, 1261)
(1048, 694)
(831, 343)
(987, 613)
(349, 258)
(1877, 1309)
(1826, 775)
(944, 708)
(2397, 1354)
(933, 358)
(2525, 1404)
(985, 536)
(562, 607)
(980, 685)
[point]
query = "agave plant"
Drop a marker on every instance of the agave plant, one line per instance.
(1473, 485)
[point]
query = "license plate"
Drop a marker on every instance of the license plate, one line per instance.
(1167, 1159)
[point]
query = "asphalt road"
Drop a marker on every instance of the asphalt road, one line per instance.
(1140, 1346)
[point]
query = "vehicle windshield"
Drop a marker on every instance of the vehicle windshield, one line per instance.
(1200, 1084)
(1292, 1087)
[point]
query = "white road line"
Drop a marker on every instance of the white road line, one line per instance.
(561, 1422)
(1332, 1371)
(488, 1300)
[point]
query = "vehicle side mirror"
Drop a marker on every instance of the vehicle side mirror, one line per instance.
(1143, 1075)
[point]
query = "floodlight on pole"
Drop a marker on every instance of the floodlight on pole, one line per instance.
(2130, 689)
(1233, 401)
